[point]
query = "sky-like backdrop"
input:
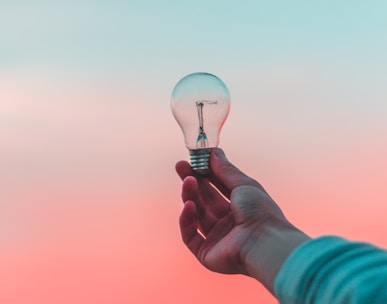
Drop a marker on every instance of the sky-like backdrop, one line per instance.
(89, 200)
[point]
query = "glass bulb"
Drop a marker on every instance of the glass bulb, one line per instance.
(200, 103)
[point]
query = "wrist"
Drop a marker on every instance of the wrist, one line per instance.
(270, 246)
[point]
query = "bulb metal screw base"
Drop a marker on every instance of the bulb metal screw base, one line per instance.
(200, 160)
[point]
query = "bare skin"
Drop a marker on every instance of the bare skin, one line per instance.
(232, 225)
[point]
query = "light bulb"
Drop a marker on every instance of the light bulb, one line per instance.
(200, 103)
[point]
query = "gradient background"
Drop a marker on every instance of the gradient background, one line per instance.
(89, 200)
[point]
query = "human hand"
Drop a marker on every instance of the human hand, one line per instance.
(223, 229)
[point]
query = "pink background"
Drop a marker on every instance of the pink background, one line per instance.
(89, 200)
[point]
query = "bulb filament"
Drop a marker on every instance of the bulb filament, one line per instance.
(202, 141)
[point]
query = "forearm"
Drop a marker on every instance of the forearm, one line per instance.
(270, 247)
(333, 270)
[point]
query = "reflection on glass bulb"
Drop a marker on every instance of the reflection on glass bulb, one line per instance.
(200, 103)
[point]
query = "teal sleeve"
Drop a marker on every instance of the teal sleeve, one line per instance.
(333, 270)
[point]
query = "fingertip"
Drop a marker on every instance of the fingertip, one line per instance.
(180, 164)
(183, 169)
(190, 206)
(190, 179)
(188, 227)
(218, 157)
(218, 161)
(218, 153)
(188, 214)
(190, 186)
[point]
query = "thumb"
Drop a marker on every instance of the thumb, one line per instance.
(225, 173)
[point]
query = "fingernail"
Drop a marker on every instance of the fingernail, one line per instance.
(188, 177)
(219, 153)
